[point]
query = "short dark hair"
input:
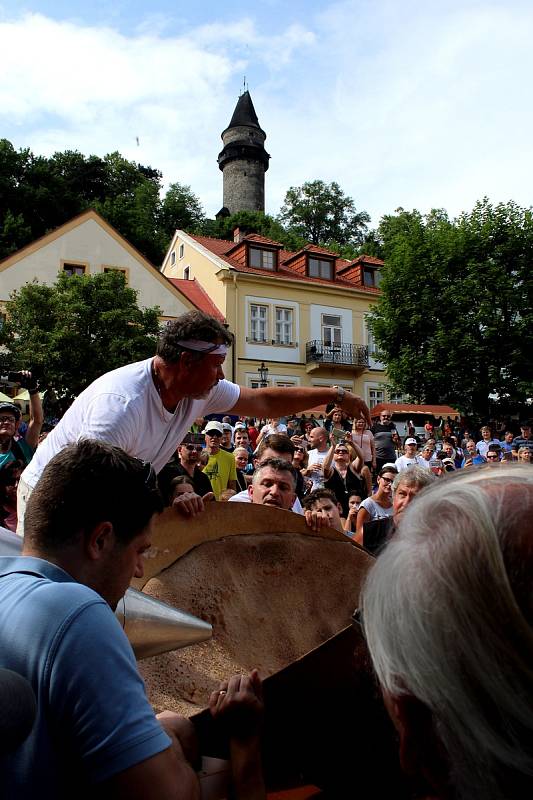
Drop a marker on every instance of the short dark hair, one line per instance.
(192, 325)
(319, 494)
(276, 441)
(85, 484)
(277, 464)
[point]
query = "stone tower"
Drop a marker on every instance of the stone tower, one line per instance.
(244, 160)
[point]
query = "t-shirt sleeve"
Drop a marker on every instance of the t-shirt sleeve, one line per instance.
(111, 418)
(98, 695)
(222, 398)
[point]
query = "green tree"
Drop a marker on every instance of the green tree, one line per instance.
(454, 323)
(38, 194)
(77, 329)
(321, 213)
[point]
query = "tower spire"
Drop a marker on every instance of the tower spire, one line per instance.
(243, 159)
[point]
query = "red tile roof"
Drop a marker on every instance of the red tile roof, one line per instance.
(224, 248)
(194, 292)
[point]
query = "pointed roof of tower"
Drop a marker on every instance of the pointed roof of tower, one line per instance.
(244, 113)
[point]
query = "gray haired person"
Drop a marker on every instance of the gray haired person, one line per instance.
(448, 616)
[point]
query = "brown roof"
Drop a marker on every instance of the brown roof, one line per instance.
(227, 250)
(198, 296)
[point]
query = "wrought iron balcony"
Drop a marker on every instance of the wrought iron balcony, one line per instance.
(350, 355)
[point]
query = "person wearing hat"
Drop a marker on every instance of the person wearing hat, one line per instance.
(185, 464)
(410, 457)
(11, 448)
(146, 407)
(220, 468)
(227, 438)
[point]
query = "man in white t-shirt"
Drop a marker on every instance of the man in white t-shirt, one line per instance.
(411, 458)
(146, 408)
(318, 439)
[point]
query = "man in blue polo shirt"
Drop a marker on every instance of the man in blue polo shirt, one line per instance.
(88, 524)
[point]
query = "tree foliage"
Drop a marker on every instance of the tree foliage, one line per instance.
(455, 320)
(321, 213)
(38, 194)
(77, 329)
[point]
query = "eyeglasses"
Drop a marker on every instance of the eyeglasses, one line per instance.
(7, 419)
(191, 447)
(299, 449)
(383, 417)
(492, 456)
(341, 452)
(387, 480)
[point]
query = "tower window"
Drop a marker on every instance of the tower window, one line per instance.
(264, 259)
(320, 268)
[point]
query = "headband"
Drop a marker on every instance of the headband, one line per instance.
(199, 346)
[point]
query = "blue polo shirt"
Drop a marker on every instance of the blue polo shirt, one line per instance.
(93, 719)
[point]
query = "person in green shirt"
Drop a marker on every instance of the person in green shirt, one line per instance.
(220, 468)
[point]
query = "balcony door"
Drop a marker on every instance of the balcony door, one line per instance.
(331, 336)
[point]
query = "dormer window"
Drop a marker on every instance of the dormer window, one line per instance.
(371, 276)
(263, 259)
(320, 268)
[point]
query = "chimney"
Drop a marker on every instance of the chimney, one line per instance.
(239, 234)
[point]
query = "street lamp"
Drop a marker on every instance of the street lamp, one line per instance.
(263, 375)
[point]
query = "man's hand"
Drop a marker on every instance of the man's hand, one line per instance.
(27, 381)
(188, 504)
(316, 520)
(356, 408)
(209, 497)
(239, 705)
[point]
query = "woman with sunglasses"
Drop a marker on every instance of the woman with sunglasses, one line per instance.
(379, 505)
(344, 472)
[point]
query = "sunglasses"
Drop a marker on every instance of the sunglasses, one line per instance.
(382, 417)
(341, 451)
(191, 447)
(299, 449)
(493, 457)
(387, 480)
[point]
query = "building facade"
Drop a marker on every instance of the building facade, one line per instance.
(301, 314)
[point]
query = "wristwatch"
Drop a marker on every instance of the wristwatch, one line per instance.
(341, 392)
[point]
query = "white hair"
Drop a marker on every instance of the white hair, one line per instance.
(414, 476)
(448, 615)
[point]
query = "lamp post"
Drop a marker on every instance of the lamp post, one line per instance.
(263, 375)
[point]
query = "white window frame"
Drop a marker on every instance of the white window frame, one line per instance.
(332, 328)
(181, 250)
(187, 272)
(284, 328)
(172, 258)
(258, 320)
(322, 265)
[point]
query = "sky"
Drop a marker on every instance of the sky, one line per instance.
(411, 103)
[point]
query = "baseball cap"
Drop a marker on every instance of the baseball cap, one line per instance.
(214, 426)
(411, 441)
(12, 408)
(227, 427)
(193, 438)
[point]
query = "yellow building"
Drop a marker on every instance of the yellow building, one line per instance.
(301, 314)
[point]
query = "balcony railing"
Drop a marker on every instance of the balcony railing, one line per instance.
(351, 355)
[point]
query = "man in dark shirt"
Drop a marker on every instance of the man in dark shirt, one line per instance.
(524, 440)
(383, 439)
(186, 463)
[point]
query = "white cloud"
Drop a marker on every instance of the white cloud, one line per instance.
(418, 104)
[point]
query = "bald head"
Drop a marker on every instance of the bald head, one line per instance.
(318, 438)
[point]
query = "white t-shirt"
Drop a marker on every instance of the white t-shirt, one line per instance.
(403, 462)
(375, 510)
(244, 497)
(123, 408)
(269, 429)
(317, 457)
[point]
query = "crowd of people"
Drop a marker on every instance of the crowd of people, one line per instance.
(172, 431)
